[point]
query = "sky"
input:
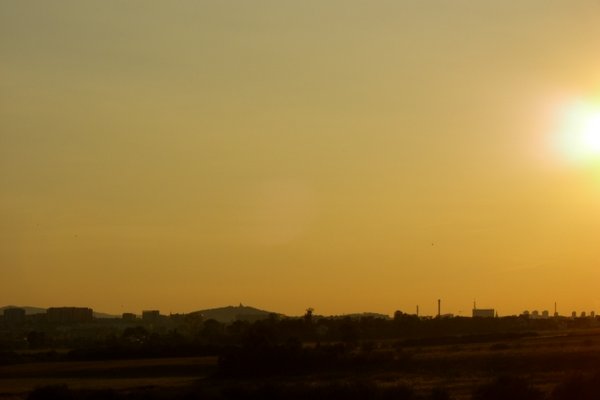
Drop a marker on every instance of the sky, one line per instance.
(346, 155)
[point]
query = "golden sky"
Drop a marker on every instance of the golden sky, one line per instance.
(345, 155)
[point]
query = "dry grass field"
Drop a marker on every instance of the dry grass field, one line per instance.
(19, 379)
(542, 360)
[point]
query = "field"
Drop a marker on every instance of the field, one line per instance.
(122, 375)
(542, 360)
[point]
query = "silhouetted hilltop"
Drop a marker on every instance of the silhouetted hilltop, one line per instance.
(104, 315)
(233, 313)
(28, 310)
(38, 310)
(364, 315)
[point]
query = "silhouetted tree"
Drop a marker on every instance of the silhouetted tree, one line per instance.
(36, 339)
(212, 331)
(308, 316)
(137, 334)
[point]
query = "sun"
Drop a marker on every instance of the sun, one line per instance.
(579, 133)
(590, 132)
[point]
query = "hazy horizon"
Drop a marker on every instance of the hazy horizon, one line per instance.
(344, 155)
(467, 312)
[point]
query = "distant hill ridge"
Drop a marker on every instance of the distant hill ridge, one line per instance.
(232, 313)
(363, 315)
(222, 314)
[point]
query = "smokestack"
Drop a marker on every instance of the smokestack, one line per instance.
(439, 308)
(417, 310)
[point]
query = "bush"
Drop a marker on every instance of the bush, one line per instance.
(505, 388)
(578, 388)
(55, 392)
(439, 394)
(62, 392)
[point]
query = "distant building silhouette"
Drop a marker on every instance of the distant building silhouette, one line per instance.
(129, 316)
(483, 312)
(150, 315)
(14, 315)
(545, 314)
(69, 314)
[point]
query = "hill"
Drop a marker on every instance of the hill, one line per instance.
(364, 315)
(233, 313)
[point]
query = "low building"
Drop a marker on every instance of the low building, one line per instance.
(14, 315)
(150, 315)
(69, 314)
(484, 313)
(128, 317)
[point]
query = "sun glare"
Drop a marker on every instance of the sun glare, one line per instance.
(579, 133)
(590, 132)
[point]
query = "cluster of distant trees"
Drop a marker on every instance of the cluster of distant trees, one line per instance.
(274, 338)
(256, 351)
(193, 336)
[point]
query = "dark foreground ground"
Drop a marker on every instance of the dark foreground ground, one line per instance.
(557, 365)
